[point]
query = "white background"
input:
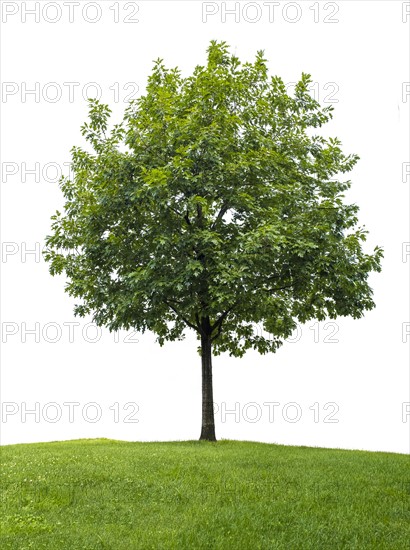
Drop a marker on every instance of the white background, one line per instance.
(359, 59)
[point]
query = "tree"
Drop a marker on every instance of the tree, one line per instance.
(213, 206)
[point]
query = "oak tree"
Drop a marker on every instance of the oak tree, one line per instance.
(215, 206)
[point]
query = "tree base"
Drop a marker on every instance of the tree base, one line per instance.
(207, 435)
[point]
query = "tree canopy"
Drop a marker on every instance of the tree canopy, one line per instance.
(213, 205)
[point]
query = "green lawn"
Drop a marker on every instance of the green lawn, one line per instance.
(100, 494)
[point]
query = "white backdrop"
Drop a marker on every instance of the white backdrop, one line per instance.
(343, 384)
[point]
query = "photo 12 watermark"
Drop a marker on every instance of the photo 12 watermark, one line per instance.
(70, 12)
(35, 172)
(67, 332)
(274, 411)
(270, 12)
(69, 92)
(68, 411)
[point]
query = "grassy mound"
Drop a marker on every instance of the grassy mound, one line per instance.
(100, 494)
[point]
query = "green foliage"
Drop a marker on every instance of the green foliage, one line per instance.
(212, 201)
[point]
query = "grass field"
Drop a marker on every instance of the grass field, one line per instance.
(100, 494)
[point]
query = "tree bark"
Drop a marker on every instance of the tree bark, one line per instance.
(208, 419)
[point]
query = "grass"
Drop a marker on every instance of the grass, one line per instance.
(100, 494)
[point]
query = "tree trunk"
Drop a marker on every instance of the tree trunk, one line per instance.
(208, 420)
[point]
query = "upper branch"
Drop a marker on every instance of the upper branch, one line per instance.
(220, 215)
(191, 325)
(220, 320)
